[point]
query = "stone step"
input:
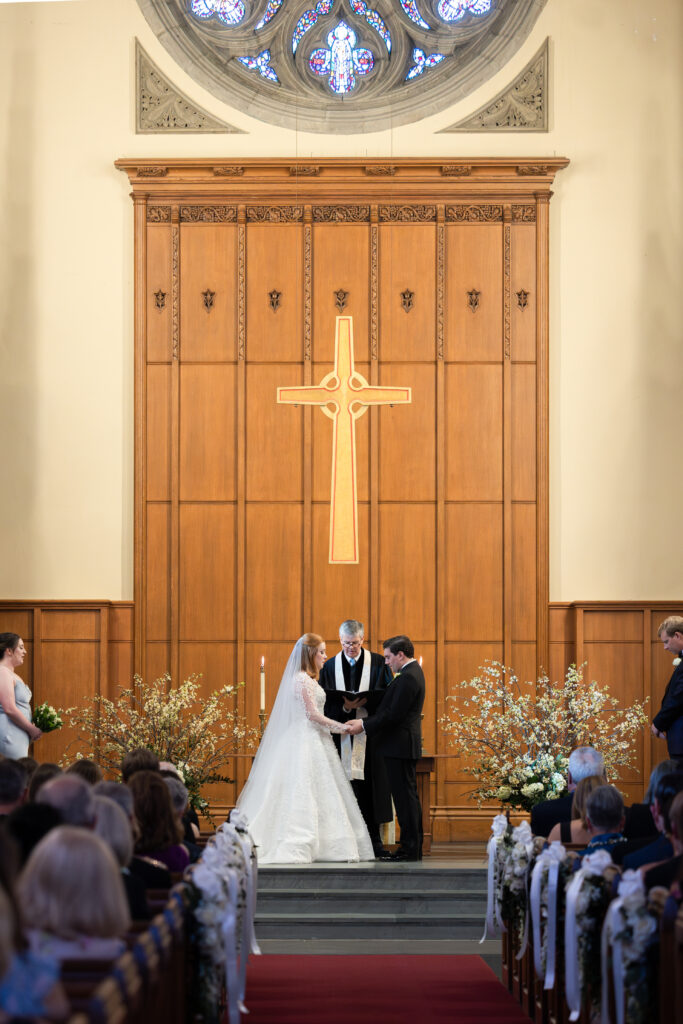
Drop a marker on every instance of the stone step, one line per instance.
(369, 902)
(432, 925)
(373, 878)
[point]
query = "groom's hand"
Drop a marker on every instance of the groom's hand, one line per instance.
(356, 726)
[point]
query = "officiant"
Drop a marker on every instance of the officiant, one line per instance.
(357, 671)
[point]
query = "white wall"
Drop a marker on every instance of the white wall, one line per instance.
(66, 415)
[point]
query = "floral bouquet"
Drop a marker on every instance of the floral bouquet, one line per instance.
(517, 736)
(633, 925)
(46, 718)
(520, 849)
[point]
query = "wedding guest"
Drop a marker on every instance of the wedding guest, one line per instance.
(72, 797)
(72, 899)
(87, 770)
(583, 761)
(16, 727)
(604, 820)
(190, 820)
(28, 824)
(13, 786)
(160, 835)
(576, 830)
(112, 825)
(669, 870)
(661, 848)
(138, 760)
(43, 773)
(180, 800)
(29, 982)
(640, 823)
(30, 764)
(152, 874)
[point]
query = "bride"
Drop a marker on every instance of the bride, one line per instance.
(297, 799)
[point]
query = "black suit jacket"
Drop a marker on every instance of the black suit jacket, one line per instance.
(396, 728)
(380, 677)
(669, 718)
(545, 816)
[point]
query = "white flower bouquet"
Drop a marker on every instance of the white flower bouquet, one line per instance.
(46, 718)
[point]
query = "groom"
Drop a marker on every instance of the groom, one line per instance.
(396, 732)
(359, 671)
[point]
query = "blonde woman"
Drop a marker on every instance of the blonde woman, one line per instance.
(576, 830)
(298, 801)
(72, 899)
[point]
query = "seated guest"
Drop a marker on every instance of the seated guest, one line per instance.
(160, 835)
(72, 797)
(71, 897)
(576, 830)
(639, 821)
(583, 761)
(669, 870)
(112, 825)
(604, 820)
(29, 982)
(180, 801)
(661, 848)
(153, 874)
(88, 770)
(190, 819)
(42, 774)
(13, 785)
(28, 824)
(29, 763)
(138, 760)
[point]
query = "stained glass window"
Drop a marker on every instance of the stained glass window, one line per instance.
(422, 62)
(261, 64)
(271, 10)
(308, 20)
(455, 10)
(410, 7)
(372, 17)
(231, 12)
(342, 61)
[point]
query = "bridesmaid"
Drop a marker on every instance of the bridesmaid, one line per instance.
(16, 728)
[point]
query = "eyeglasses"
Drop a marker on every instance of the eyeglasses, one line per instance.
(351, 643)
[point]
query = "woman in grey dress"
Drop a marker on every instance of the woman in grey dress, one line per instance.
(16, 728)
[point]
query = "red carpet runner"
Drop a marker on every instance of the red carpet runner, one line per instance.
(377, 990)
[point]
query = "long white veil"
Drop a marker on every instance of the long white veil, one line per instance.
(273, 751)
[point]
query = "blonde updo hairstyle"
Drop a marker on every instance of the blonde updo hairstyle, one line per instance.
(310, 642)
(583, 790)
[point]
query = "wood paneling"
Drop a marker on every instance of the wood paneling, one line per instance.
(475, 263)
(341, 261)
(274, 436)
(474, 544)
(274, 254)
(207, 265)
(474, 432)
(407, 598)
(408, 263)
(523, 279)
(207, 413)
(407, 440)
(322, 433)
(158, 299)
(158, 455)
(274, 547)
(332, 584)
(207, 572)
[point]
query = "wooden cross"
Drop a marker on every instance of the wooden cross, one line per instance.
(343, 395)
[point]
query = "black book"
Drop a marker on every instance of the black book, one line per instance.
(373, 698)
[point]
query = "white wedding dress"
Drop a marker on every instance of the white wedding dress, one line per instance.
(297, 799)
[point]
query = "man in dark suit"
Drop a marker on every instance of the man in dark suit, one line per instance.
(396, 730)
(359, 671)
(668, 722)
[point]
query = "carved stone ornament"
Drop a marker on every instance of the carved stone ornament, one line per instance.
(161, 108)
(474, 213)
(276, 59)
(407, 300)
(473, 297)
(407, 214)
(340, 297)
(274, 298)
(208, 297)
(208, 214)
(522, 299)
(160, 299)
(522, 106)
(341, 214)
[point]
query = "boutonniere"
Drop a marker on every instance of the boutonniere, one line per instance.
(677, 661)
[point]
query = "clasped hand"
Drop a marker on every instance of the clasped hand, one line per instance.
(353, 728)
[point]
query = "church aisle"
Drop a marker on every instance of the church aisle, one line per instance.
(377, 990)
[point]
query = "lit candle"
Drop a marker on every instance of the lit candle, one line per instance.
(263, 683)
(420, 661)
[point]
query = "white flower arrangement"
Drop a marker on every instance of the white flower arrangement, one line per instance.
(516, 737)
(635, 928)
(46, 718)
(588, 895)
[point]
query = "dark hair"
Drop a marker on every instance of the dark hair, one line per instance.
(665, 791)
(400, 645)
(29, 763)
(28, 824)
(13, 781)
(138, 760)
(88, 770)
(663, 768)
(9, 869)
(8, 642)
(42, 774)
(159, 827)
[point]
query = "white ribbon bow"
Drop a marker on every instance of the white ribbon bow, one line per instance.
(591, 865)
(493, 925)
(555, 853)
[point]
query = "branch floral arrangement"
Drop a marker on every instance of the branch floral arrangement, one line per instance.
(197, 734)
(46, 718)
(517, 736)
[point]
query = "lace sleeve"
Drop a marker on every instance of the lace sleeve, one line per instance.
(307, 688)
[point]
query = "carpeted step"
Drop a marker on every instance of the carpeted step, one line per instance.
(369, 902)
(362, 926)
(373, 877)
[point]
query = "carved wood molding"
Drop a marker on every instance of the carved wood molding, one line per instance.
(407, 213)
(341, 214)
(524, 214)
(208, 214)
(275, 214)
(474, 214)
(159, 214)
(228, 171)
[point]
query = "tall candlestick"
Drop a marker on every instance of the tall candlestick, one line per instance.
(263, 683)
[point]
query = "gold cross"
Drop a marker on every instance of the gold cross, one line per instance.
(343, 395)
